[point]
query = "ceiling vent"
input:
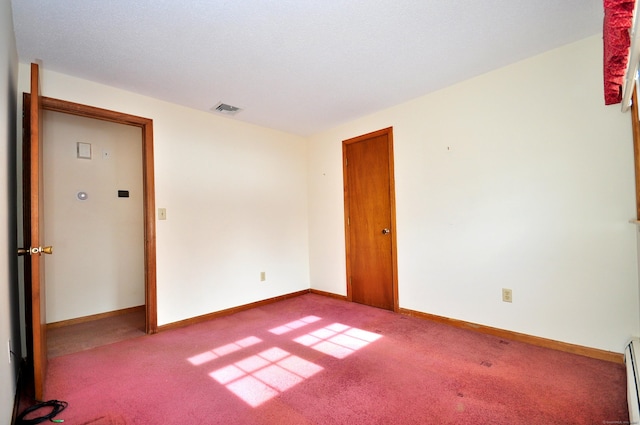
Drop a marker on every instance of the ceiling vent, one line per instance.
(223, 108)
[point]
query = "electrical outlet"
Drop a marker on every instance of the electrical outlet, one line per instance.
(263, 276)
(507, 295)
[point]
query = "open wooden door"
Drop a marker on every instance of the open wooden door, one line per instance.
(33, 233)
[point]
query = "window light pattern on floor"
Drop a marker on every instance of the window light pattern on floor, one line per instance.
(281, 330)
(337, 340)
(258, 378)
(223, 350)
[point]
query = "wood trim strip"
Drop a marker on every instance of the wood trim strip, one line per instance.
(329, 294)
(516, 336)
(347, 244)
(394, 227)
(229, 311)
(93, 317)
(149, 211)
(87, 111)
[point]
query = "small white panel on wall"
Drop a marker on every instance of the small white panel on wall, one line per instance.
(84, 150)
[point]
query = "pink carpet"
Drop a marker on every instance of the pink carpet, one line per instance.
(317, 360)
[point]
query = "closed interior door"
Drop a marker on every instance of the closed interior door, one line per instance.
(370, 220)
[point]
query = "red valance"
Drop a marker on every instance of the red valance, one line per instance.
(618, 16)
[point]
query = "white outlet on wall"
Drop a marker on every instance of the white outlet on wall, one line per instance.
(263, 276)
(507, 296)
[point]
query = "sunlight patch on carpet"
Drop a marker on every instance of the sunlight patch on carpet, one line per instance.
(223, 350)
(337, 340)
(296, 324)
(261, 377)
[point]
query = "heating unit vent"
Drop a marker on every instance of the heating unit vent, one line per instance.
(223, 108)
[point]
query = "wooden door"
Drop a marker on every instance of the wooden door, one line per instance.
(370, 220)
(33, 233)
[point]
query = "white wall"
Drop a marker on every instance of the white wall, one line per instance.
(236, 200)
(520, 178)
(98, 242)
(9, 322)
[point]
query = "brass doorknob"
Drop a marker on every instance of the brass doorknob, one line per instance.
(38, 250)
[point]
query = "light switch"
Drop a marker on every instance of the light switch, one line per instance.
(162, 213)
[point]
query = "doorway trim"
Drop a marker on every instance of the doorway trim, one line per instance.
(148, 189)
(392, 205)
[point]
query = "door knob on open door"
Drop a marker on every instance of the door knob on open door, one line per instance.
(385, 231)
(38, 250)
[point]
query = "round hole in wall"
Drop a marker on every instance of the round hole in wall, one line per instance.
(82, 196)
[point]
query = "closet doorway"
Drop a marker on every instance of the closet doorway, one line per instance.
(92, 181)
(37, 298)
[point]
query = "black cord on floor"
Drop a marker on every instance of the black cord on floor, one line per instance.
(56, 406)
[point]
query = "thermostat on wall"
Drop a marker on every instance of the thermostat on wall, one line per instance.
(84, 150)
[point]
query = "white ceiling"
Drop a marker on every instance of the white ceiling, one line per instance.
(300, 66)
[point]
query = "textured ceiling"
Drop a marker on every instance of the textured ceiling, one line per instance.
(300, 66)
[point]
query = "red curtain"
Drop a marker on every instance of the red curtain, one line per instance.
(618, 15)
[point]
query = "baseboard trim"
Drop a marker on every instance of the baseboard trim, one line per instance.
(229, 311)
(501, 333)
(328, 294)
(594, 353)
(93, 317)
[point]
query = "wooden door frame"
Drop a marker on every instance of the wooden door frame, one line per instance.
(148, 188)
(394, 257)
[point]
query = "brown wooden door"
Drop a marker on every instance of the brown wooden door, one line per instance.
(370, 219)
(33, 235)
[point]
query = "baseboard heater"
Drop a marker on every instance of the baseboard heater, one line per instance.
(632, 362)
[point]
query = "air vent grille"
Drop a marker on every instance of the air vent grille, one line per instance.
(225, 109)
